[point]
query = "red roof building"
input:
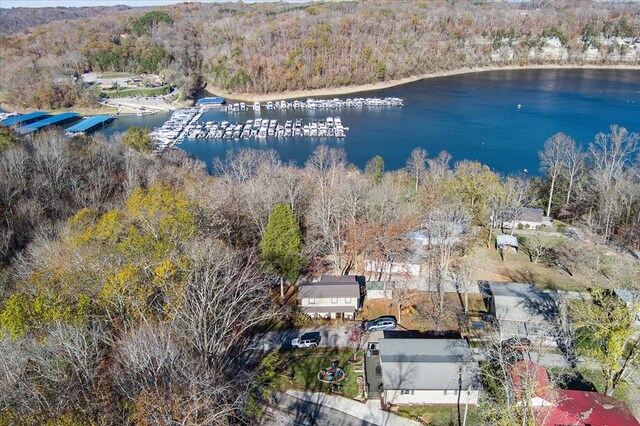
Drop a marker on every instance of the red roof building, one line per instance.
(560, 407)
(580, 408)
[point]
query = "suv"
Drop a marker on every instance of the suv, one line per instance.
(382, 323)
(307, 340)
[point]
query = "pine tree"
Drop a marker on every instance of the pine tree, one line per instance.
(282, 243)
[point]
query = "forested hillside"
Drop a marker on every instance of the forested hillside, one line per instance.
(267, 48)
(24, 18)
(131, 283)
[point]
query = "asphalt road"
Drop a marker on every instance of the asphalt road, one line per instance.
(293, 411)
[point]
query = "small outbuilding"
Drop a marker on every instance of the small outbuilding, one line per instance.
(506, 244)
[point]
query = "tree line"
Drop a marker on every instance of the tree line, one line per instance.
(268, 48)
(131, 284)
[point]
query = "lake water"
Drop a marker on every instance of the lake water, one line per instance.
(472, 116)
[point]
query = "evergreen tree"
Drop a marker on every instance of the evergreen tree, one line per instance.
(375, 169)
(282, 243)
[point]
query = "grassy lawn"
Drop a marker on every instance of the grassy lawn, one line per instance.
(519, 268)
(301, 367)
(440, 414)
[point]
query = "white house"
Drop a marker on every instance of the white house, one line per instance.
(334, 296)
(428, 371)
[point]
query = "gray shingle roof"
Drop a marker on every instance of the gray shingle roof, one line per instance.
(330, 286)
(327, 309)
(427, 364)
(529, 309)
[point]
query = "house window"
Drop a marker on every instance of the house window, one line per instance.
(312, 301)
(407, 392)
(334, 300)
(451, 392)
(347, 300)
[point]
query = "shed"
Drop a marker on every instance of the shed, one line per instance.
(507, 242)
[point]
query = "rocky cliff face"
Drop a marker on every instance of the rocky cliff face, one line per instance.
(615, 49)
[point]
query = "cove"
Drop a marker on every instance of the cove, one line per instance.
(473, 116)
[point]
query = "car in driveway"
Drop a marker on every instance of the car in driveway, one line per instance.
(381, 323)
(307, 340)
(517, 344)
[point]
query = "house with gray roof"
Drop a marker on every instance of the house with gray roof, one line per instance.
(428, 370)
(333, 296)
(525, 217)
(523, 310)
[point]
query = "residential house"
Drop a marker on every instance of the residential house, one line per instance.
(525, 217)
(427, 370)
(523, 310)
(333, 296)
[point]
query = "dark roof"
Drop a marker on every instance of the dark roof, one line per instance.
(331, 286)
(526, 214)
(339, 278)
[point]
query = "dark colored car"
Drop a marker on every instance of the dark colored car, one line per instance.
(517, 344)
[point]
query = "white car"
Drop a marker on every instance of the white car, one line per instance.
(307, 340)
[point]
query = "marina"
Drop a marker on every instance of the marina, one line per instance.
(54, 120)
(184, 124)
(313, 104)
(89, 124)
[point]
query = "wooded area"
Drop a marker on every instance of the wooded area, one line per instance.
(131, 284)
(270, 48)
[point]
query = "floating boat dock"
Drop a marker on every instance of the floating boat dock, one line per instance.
(55, 120)
(89, 124)
(22, 120)
(313, 104)
(215, 101)
(185, 124)
(328, 127)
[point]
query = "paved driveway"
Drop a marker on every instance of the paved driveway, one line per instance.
(334, 336)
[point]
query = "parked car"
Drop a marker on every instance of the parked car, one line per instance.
(307, 340)
(517, 344)
(382, 323)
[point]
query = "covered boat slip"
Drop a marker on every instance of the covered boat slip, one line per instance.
(23, 120)
(89, 124)
(56, 120)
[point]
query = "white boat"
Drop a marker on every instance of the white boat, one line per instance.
(257, 106)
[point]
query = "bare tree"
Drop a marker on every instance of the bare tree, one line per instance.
(551, 161)
(573, 161)
(416, 165)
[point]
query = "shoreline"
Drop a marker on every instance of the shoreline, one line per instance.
(346, 90)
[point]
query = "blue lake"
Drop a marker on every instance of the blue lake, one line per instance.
(472, 116)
